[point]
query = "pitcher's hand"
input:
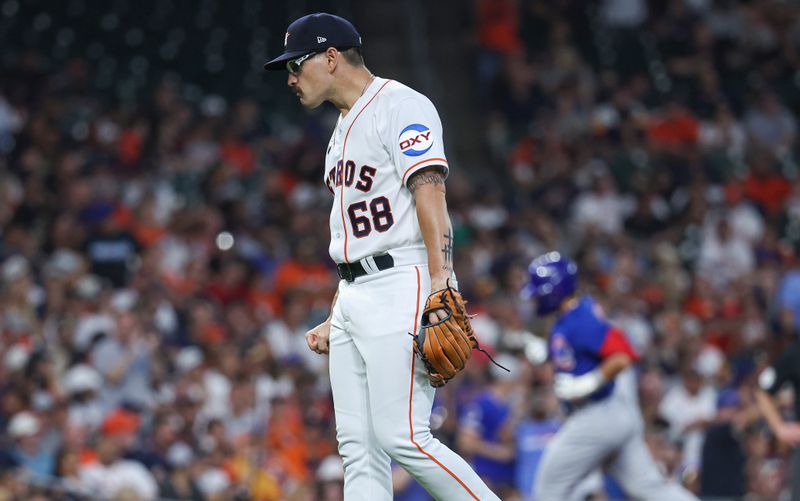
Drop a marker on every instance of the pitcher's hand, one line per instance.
(317, 338)
(438, 283)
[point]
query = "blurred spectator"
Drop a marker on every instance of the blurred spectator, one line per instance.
(688, 407)
(180, 483)
(723, 134)
(745, 221)
(624, 13)
(330, 479)
(111, 250)
(531, 436)
(26, 432)
(765, 187)
(497, 36)
(67, 470)
(771, 126)
(675, 129)
(110, 475)
(483, 435)
(82, 385)
(601, 210)
(789, 300)
(724, 459)
(724, 256)
(286, 334)
(123, 358)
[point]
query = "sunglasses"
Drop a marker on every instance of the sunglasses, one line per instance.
(293, 65)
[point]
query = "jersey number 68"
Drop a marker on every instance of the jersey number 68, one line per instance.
(379, 212)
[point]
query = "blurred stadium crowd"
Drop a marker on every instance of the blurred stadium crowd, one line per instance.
(162, 257)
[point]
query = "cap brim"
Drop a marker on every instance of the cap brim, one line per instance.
(279, 63)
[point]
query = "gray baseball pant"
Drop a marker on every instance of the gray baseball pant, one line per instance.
(609, 435)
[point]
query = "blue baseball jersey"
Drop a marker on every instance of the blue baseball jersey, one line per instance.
(486, 417)
(581, 338)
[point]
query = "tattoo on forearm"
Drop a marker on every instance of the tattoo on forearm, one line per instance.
(425, 177)
(447, 250)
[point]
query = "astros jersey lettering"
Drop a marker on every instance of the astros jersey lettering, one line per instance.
(391, 132)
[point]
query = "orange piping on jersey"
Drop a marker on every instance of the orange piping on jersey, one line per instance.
(344, 148)
(422, 162)
(410, 399)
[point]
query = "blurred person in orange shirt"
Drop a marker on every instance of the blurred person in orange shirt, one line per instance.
(765, 187)
(304, 270)
(674, 128)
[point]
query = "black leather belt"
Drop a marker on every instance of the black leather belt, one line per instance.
(351, 271)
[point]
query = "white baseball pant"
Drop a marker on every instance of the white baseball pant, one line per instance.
(381, 395)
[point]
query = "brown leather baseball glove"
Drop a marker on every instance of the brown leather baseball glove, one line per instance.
(446, 345)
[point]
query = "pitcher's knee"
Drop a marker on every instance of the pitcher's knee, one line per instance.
(400, 445)
(352, 453)
(391, 444)
(353, 446)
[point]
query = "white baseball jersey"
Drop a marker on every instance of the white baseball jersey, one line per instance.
(390, 132)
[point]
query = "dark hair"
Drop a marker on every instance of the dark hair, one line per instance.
(353, 56)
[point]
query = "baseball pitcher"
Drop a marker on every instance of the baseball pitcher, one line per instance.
(392, 241)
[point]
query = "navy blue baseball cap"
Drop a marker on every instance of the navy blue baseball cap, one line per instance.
(315, 33)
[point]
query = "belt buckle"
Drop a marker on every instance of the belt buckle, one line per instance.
(345, 272)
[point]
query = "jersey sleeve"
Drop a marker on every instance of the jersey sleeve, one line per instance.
(414, 137)
(615, 342)
(598, 338)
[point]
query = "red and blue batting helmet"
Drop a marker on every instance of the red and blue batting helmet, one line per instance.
(552, 279)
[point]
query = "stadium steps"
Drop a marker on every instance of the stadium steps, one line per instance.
(455, 91)
(385, 39)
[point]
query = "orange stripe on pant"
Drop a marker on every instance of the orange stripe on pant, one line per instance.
(411, 397)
